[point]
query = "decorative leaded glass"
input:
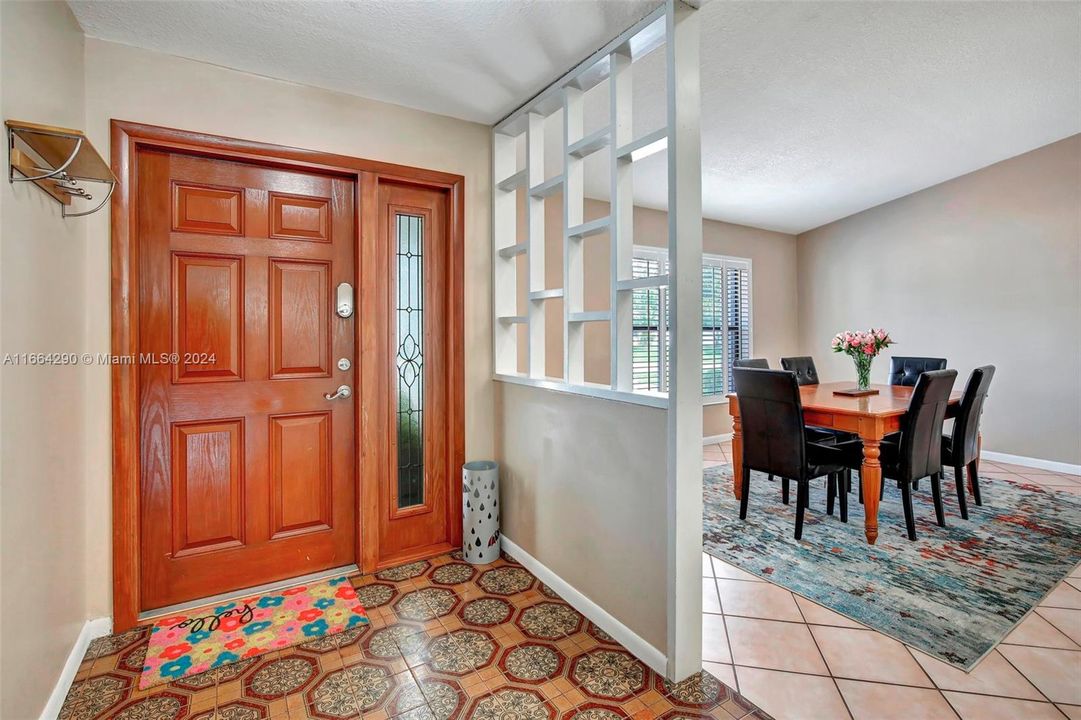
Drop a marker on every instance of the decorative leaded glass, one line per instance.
(410, 358)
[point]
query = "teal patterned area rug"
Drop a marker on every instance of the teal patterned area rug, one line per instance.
(954, 593)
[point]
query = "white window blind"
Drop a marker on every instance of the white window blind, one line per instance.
(726, 321)
(647, 306)
(737, 288)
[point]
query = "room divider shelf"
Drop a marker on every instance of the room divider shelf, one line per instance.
(512, 251)
(59, 161)
(652, 281)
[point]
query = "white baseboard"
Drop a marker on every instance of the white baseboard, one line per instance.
(98, 627)
(651, 656)
(1052, 465)
(713, 439)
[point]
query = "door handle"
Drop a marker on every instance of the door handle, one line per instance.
(343, 392)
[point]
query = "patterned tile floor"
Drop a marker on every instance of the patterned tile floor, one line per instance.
(447, 640)
(796, 659)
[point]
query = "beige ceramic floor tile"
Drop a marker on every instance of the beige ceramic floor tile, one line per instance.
(1071, 711)
(1064, 596)
(983, 707)
(815, 614)
(715, 640)
(710, 602)
(723, 569)
(877, 701)
(996, 472)
(1049, 480)
(991, 676)
(868, 655)
(790, 696)
(1054, 672)
(1020, 469)
(1066, 621)
(707, 566)
(774, 645)
(1035, 630)
(758, 600)
(723, 672)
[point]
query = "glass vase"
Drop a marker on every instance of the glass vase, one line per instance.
(863, 370)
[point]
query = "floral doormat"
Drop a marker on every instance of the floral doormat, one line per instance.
(189, 644)
(953, 593)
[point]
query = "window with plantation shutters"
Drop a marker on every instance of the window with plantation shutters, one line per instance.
(648, 329)
(726, 322)
(714, 329)
(737, 290)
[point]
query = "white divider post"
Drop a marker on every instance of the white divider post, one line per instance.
(685, 371)
(621, 231)
(573, 212)
(535, 242)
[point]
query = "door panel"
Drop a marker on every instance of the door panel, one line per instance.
(300, 301)
(202, 209)
(301, 492)
(247, 472)
(207, 317)
(208, 498)
(300, 218)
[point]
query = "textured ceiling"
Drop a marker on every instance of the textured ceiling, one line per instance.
(471, 59)
(811, 111)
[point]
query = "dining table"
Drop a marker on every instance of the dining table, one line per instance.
(871, 417)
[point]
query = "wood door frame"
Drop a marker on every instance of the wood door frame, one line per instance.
(130, 137)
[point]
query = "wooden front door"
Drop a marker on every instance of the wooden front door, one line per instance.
(246, 469)
(409, 439)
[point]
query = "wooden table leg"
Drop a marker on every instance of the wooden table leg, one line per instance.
(871, 475)
(737, 456)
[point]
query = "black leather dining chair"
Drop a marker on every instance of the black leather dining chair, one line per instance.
(961, 448)
(760, 364)
(918, 452)
(806, 374)
(804, 367)
(774, 440)
(906, 370)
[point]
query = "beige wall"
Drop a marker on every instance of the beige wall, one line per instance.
(584, 492)
(982, 269)
(131, 84)
(42, 443)
(773, 262)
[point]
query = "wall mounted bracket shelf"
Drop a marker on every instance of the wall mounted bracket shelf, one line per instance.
(60, 162)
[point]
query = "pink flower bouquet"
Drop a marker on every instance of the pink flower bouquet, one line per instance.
(862, 347)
